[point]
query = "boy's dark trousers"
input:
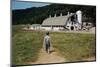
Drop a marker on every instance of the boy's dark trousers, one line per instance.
(48, 48)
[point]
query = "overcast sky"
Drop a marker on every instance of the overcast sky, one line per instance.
(24, 5)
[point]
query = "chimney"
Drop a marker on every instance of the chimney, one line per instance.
(49, 16)
(68, 13)
(60, 14)
(55, 15)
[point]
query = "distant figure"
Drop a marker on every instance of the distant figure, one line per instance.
(47, 43)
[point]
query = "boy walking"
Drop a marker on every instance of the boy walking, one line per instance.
(47, 43)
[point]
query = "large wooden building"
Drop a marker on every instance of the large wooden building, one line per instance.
(71, 21)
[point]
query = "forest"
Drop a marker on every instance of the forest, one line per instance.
(36, 15)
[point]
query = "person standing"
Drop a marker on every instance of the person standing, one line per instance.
(47, 43)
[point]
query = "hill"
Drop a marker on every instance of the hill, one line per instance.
(36, 15)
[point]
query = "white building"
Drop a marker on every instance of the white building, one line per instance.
(72, 21)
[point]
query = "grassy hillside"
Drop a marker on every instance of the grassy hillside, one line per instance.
(72, 46)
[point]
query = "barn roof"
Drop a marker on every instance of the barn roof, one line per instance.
(54, 21)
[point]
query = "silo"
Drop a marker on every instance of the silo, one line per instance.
(79, 18)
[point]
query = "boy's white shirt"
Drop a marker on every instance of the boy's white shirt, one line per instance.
(47, 37)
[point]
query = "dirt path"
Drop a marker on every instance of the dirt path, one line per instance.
(53, 57)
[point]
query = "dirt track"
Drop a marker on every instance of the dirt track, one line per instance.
(53, 57)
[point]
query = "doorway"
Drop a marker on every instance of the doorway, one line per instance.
(72, 28)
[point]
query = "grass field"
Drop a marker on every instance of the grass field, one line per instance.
(25, 45)
(72, 46)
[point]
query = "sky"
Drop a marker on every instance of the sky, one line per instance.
(23, 5)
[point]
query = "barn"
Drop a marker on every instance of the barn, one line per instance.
(71, 21)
